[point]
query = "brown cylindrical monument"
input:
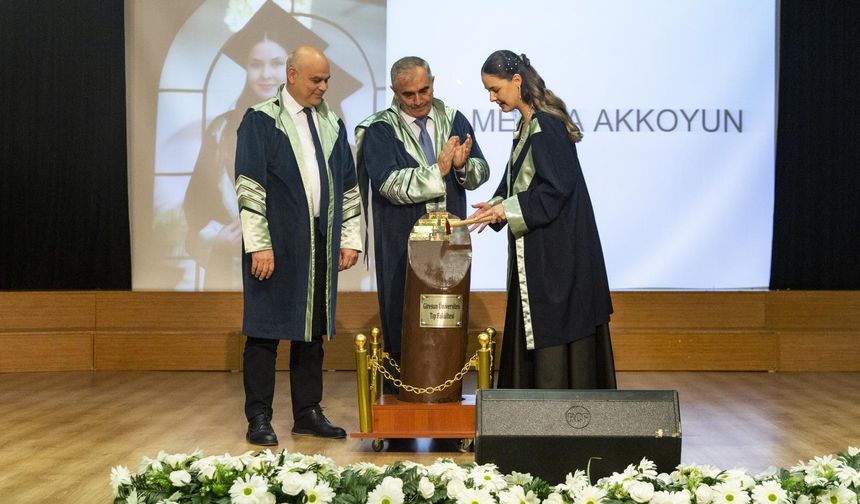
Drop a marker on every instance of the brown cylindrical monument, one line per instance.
(435, 307)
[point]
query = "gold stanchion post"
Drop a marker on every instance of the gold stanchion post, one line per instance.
(376, 355)
(491, 332)
(484, 370)
(363, 384)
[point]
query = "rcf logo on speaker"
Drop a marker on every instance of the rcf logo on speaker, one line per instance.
(578, 417)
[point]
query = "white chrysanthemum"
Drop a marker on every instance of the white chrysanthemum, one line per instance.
(420, 468)
(323, 461)
(119, 475)
(707, 471)
(679, 476)
(772, 472)
(205, 472)
(252, 489)
(366, 468)
(853, 451)
(813, 479)
(662, 497)
(623, 480)
(738, 476)
(132, 498)
(704, 494)
(821, 469)
(294, 483)
(681, 497)
(518, 478)
(426, 488)
(246, 459)
(299, 465)
(647, 468)
(257, 465)
(848, 476)
(802, 499)
(174, 460)
(454, 488)
(631, 470)
(838, 495)
(730, 492)
(769, 492)
(148, 464)
(268, 455)
(390, 491)
(167, 501)
(575, 482)
(447, 470)
(553, 498)
(230, 462)
(516, 495)
(640, 491)
(487, 477)
(321, 493)
(180, 478)
(475, 496)
(589, 495)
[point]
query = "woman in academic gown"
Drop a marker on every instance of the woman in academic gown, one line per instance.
(557, 319)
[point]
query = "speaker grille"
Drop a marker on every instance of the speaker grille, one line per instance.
(549, 433)
(581, 413)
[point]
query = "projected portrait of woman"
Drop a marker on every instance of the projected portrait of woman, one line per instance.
(214, 233)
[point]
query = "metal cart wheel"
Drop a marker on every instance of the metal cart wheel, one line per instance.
(378, 444)
(464, 445)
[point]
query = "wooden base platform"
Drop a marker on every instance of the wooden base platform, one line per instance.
(395, 419)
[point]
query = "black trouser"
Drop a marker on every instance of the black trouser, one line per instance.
(306, 358)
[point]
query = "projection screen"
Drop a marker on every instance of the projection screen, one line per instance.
(676, 100)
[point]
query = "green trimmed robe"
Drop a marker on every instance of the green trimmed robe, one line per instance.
(391, 162)
(276, 211)
(555, 260)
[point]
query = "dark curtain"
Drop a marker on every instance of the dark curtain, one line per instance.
(64, 187)
(816, 234)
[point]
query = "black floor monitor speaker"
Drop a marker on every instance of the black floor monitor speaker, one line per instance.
(549, 433)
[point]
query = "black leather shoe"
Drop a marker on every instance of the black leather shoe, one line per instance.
(260, 431)
(314, 423)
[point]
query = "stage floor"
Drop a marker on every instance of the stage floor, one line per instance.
(60, 433)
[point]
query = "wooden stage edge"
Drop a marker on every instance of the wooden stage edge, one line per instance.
(651, 330)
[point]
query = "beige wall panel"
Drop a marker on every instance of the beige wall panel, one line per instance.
(167, 351)
(820, 351)
(34, 351)
(487, 309)
(688, 310)
(168, 311)
(814, 310)
(356, 312)
(692, 351)
(651, 330)
(47, 311)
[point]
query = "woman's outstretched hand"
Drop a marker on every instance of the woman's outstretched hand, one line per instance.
(484, 215)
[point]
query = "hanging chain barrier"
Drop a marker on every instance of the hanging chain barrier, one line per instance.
(378, 365)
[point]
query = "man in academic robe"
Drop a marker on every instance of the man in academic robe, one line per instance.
(418, 155)
(300, 212)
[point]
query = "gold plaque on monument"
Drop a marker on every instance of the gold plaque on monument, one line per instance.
(441, 310)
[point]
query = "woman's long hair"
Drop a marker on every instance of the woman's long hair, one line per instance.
(504, 64)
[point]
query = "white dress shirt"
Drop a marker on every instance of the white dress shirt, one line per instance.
(430, 125)
(307, 143)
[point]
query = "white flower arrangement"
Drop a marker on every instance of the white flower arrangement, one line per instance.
(268, 478)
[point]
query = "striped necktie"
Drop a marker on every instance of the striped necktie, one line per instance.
(321, 165)
(424, 140)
